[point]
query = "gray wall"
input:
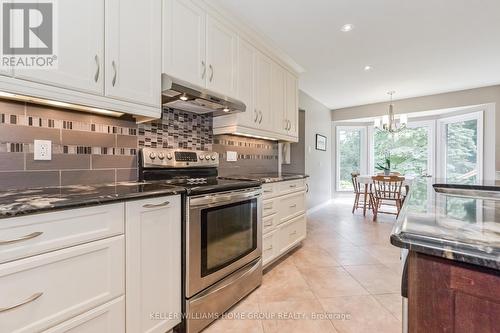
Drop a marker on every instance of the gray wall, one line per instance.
(455, 99)
(318, 164)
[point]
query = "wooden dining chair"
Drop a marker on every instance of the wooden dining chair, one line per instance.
(359, 193)
(387, 190)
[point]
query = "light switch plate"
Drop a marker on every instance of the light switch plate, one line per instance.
(43, 150)
(232, 156)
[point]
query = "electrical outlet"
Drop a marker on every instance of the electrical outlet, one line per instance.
(232, 156)
(43, 150)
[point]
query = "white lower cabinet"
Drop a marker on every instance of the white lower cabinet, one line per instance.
(42, 291)
(153, 273)
(109, 317)
(284, 220)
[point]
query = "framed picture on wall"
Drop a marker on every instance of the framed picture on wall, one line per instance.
(320, 142)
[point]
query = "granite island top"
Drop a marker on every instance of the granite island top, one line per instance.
(37, 200)
(463, 226)
(271, 177)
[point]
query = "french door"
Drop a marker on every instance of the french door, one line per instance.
(460, 148)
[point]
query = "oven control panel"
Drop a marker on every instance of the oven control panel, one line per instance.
(177, 158)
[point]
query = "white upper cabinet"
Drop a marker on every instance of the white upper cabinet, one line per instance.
(80, 50)
(184, 33)
(278, 97)
(246, 65)
(263, 83)
(133, 51)
(221, 58)
(292, 105)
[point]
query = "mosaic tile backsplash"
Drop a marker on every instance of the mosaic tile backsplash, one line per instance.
(89, 149)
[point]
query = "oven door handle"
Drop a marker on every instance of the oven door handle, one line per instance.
(209, 200)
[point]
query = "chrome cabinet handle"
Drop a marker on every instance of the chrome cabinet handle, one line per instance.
(211, 72)
(268, 224)
(113, 82)
(289, 125)
(163, 204)
(293, 233)
(256, 115)
(293, 206)
(96, 76)
(26, 301)
(204, 69)
(307, 188)
(260, 120)
(20, 239)
(293, 186)
(286, 124)
(269, 248)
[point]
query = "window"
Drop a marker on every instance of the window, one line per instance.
(351, 154)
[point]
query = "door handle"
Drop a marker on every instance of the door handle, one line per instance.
(211, 68)
(256, 115)
(113, 64)
(204, 69)
(96, 76)
(260, 120)
(20, 239)
(30, 299)
(163, 204)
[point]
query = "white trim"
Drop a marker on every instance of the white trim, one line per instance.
(319, 207)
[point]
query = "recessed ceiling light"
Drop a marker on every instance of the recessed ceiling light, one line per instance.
(347, 27)
(368, 68)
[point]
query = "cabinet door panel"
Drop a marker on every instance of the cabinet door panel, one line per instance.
(246, 55)
(80, 51)
(221, 58)
(153, 264)
(292, 107)
(184, 27)
(278, 110)
(263, 91)
(133, 51)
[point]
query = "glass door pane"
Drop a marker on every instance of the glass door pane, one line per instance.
(350, 142)
(410, 153)
(461, 151)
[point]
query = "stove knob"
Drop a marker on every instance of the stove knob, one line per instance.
(161, 156)
(202, 157)
(207, 157)
(214, 157)
(152, 156)
(169, 156)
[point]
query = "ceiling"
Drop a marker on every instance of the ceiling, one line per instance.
(416, 48)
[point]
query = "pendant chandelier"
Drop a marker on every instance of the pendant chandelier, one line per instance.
(389, 123)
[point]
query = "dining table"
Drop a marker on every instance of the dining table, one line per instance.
(367, 180)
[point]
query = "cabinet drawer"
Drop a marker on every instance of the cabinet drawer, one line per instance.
(269, 223)
(291, 186)
(107, 318)
(291, 205)
(269, 247)
(25, 236)
(291, 233)
(269, 207)
(269, 190)
(53, 287)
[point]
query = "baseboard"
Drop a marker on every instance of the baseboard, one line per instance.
(318, 207)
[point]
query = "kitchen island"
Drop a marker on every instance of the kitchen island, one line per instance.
(452, 273)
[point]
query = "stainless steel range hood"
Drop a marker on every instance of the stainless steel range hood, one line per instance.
(185, 96)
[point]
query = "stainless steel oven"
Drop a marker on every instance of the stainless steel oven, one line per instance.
(222, 235)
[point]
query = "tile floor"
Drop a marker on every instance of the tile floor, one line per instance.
(346, 269)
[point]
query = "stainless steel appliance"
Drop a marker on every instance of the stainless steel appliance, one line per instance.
(222, 238)
(185, 96)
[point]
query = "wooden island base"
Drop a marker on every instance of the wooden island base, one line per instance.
(446, 296)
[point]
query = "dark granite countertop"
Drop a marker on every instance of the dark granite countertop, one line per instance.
(271, 177)
(37, 200)
(460, 223)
